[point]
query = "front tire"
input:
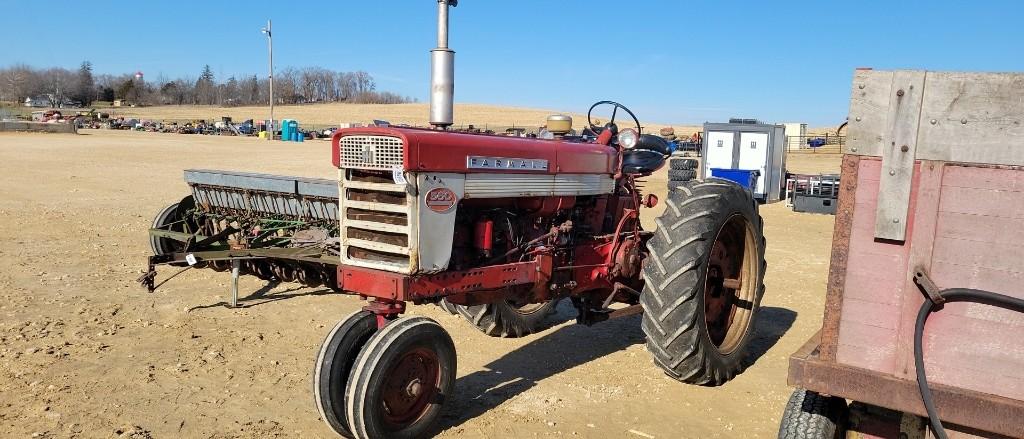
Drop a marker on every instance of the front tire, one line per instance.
(334, 365)
(703, 281)
(401, 380)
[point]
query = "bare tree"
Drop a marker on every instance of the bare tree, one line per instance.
(20, 82)
(309, 84)
(57, 84)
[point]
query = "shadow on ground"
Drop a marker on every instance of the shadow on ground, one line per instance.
(266, 295)
(571, 346)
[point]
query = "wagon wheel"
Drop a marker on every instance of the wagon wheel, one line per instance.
(704, 281)
(334, 365)
(400, 380)
(171, 218)
(811, 415)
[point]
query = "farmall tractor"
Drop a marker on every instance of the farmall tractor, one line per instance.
(495, 228)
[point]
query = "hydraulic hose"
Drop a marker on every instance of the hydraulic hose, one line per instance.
(928, 307)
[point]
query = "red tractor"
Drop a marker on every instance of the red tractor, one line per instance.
(495, 228)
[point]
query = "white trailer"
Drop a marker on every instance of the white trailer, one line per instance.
(748, 145)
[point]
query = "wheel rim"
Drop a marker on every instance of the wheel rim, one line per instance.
(731, 283)
(410, 387)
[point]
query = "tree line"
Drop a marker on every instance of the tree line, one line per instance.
(63, 87)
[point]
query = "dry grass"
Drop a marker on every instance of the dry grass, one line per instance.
(333, 114)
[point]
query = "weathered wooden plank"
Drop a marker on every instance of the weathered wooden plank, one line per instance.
(925, 199)
(875, 275)
(955, 225)
(973, 117)
(982, 202)
(993, 178)
(949, 274)
(898, 150)
(869, 107)
(973, 354)
(867, 346)
(998, 256)
(871, 313)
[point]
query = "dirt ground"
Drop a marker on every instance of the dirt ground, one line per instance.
(85, 352)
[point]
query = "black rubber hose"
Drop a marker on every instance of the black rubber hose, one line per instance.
(928, 307)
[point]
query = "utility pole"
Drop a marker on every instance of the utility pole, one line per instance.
(270, 48)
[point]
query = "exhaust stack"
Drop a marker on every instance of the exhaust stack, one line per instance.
(442, 71)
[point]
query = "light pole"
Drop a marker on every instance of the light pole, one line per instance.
(270, 48)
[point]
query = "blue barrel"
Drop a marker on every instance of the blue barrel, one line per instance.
(745, 178)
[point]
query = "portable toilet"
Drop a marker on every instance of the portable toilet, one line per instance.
(293, 130)
(748, 145)
(286, 126)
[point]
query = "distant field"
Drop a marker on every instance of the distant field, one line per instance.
(491, 116)
(322, 115)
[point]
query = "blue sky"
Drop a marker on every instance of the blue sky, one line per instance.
(670, 61)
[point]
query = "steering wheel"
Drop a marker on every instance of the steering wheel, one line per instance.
(615, 109)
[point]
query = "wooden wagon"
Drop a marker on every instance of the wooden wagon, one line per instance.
(932, 185)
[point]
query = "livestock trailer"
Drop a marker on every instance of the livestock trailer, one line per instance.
(924, 311)
(748, 145)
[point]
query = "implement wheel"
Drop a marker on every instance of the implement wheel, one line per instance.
(810, 415)
(704, 277)
(400, 380)
(171, 218)
(509, 318)
(334, 365)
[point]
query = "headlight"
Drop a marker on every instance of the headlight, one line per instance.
(627, 138)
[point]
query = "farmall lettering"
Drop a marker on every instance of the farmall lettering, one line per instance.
(440, 199)
(505, 163)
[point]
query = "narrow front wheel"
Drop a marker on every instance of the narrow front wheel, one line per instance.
(401, 380)
(334, 365)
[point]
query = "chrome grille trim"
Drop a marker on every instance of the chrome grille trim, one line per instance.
(371, 152)
(400, 259)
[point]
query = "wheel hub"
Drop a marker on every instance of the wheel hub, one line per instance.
(728, 291)
(409, 387)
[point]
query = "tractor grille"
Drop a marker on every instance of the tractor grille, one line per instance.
(376, 227)
(371, 152)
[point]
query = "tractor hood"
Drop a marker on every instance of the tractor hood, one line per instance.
(426, 150)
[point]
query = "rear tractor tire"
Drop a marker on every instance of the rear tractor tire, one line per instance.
(451, 308)
(506, 318)
(810, 415)
(703, 281)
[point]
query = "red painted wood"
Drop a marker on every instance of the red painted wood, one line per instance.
(875, 277)
(966, 229)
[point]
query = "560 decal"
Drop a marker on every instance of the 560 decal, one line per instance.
(440, 199)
